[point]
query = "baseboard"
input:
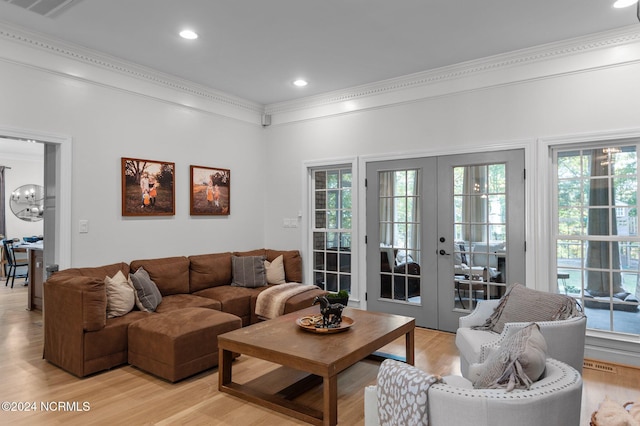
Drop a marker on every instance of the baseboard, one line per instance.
(608, 351)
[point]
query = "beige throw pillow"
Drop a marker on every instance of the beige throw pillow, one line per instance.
(517, 363)
(120, 296)
(275, 270)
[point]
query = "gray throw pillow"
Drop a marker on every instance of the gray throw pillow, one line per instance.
(517, 363)
(248, 271)
(149, 296)
(522, 304)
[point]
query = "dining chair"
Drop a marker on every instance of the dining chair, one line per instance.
(12, 262)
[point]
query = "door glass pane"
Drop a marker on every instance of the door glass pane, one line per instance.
(399, 208)
(597, 245)
(480, 223)
(332, 229)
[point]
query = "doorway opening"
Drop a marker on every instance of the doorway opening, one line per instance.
(57, 193)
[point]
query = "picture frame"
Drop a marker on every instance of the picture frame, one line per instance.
(148, 187)
(210, 193)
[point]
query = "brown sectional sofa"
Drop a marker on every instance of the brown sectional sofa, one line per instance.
(82, 340)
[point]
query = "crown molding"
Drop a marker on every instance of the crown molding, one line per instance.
(103, 61)
(496, 63)
(384, 93)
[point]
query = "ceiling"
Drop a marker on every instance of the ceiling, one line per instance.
(18, 148)
(254, 49)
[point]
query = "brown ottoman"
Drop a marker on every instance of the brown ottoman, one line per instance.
(178, 344)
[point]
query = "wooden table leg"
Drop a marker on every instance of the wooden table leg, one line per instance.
(330, 401)
(225, 359)
(409, 347)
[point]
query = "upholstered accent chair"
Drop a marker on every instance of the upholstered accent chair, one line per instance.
(565, 338)
(552, 400)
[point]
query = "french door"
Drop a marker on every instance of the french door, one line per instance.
(443, 233)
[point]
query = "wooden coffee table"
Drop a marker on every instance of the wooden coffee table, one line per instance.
(283, 342)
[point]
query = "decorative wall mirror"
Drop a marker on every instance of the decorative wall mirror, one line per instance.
(27, 202)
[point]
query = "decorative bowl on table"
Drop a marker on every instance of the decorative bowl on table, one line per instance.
(313, 324)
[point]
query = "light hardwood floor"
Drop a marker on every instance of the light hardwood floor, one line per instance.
(128, 393)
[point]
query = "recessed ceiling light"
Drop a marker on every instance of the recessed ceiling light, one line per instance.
(188, 34)
(624, 3)
(300, 82)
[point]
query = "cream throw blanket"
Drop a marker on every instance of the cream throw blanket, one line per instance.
(271, 302)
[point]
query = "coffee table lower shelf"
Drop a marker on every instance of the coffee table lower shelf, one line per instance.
(282, 401)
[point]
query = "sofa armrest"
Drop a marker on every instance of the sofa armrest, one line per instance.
(554, 399)
(479, 315)
(72, 305)
(82, 297)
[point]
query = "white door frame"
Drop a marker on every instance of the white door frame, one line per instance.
(62, 167)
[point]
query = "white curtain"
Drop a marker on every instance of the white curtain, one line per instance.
(386, 208)
(475, 204)
(390, 183)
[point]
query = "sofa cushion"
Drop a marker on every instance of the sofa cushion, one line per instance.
(521, 304)
(256, 252)
(209, 270)
(107, 347)
(248, 271)
(98, 271)
(275, 271)
(120, 295)
(171, 274)
(517, 363)
(291, 259)
(179, 301)
(234, 300)
(470, 342)
(149, 296)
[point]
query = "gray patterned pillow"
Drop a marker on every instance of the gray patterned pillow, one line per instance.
(517, 363)
(522, 304)
(148, 296)
(248, 271)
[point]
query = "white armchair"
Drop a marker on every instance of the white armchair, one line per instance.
(565, 338)
(553, 400)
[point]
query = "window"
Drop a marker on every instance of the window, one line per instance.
(331, 228)
(596, 233)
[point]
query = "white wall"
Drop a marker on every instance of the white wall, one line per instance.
(108, 117)
(596, 89)
(585, 91)
(26, 168)
(110, 110)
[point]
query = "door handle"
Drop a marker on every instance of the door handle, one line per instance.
(443, 253)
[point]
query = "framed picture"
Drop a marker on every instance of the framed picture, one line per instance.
(147, 188)
(210, 191)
